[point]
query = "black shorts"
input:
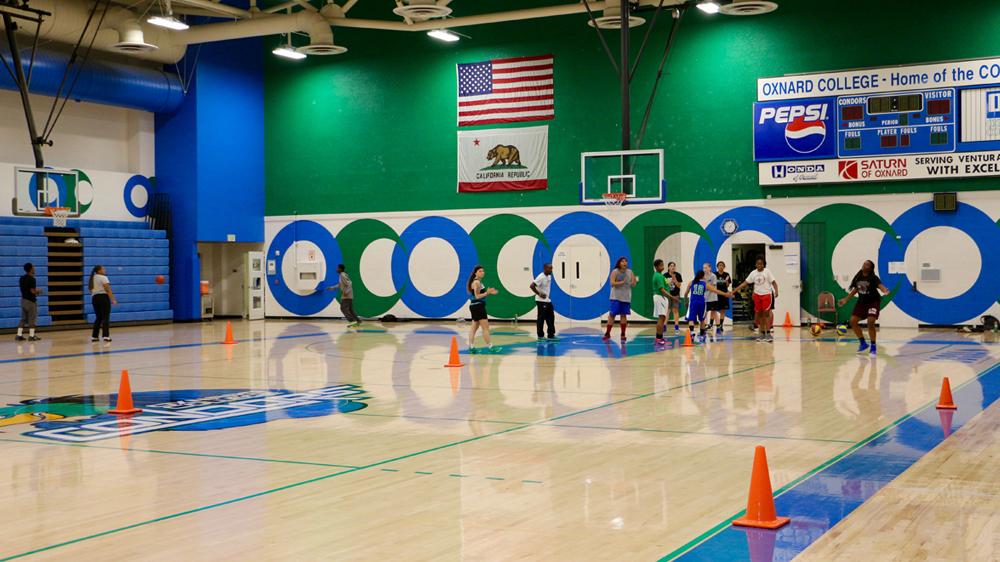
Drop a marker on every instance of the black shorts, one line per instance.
(718, 306)
(478, 311)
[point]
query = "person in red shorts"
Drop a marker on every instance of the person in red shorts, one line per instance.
(765, 290)
(866, 285)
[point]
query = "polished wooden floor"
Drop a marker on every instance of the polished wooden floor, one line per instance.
(577, 450)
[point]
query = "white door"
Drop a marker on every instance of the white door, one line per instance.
(578, 270)
(785, 262)
(253, 285)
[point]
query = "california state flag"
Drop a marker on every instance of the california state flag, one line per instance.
(503, 159)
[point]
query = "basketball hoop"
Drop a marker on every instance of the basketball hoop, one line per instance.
(614, 199)
(59, 215)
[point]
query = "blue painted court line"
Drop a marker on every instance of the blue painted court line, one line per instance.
(820, 499)
(153, 348)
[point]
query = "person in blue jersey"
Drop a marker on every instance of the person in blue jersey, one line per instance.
(695, 292)
(477, 308)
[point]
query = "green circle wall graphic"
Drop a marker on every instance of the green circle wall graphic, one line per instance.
(489, 237)
(353, 240)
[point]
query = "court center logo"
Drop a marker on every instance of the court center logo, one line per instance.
(82, 419)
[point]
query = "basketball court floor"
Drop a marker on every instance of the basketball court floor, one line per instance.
(308, 441)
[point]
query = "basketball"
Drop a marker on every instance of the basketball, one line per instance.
(841, 329)
(160, 279)
(816, 329)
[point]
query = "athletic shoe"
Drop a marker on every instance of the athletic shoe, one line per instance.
(872, 350)
(624, 339)
(494, 349)
(18, 338)
(108, 340)
(659, 341)
(34, 338)
(769, 337)
(95, 340)
(606, 337)
(676, 330)
(354, 324)
(718, 331)
(862, 347)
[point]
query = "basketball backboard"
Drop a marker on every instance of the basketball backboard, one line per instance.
(636, 173)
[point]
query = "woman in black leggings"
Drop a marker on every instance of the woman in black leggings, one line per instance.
(102, 298)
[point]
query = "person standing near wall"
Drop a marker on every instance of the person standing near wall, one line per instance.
(542, 286)
(102, 298)
(866, 285)
(674, 279)
(765, 291)
(29, 304)
(711, 297)
(346, 296)
(723, 279)
(477, 308)
(661, 300)
(622, 280)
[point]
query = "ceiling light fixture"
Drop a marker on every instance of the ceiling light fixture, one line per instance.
(167, 19)
(709, 7)
(444, 35)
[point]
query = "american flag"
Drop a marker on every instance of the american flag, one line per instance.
(505, 91)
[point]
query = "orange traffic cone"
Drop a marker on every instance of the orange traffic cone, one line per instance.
(229, 334)
(453, 360)
(125, 406)
(946, 402)
(788, 321)
(760, 505)
(687, 340)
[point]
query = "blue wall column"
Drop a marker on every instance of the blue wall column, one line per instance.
(210, 162)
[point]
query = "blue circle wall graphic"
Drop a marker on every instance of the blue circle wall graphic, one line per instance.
(449, 231)
(303, 305)
(970, 304)
(590, 224)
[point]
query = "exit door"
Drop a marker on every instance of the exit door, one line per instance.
(253, 285)
(578, 271)
(785, 262)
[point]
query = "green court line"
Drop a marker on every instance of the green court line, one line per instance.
(530, 481)
(360, 468)
(421, 472)
(181, 453)
(459, 475)
(389, 469)
(642, 429)
(494, 478)
(724, 524)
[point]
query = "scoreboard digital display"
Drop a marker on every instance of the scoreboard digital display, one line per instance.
(905, 123)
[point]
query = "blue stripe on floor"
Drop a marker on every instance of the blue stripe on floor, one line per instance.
(820, 500)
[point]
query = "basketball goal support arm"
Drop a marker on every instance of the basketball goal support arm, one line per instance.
(17, 73)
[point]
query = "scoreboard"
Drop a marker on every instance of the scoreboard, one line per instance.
(907, 122)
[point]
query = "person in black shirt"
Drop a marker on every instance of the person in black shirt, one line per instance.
(674, 281)
(29, 304)
(722, 281)
(866, 285)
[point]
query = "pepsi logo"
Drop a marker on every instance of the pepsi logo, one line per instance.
(805, 136)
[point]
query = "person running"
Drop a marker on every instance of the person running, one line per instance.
(697, 290)
(711, 298)
(674, 280)
(543, 301)
(477, 308)
(102, 298)
(765, 291)
(866, 285)
(346, 297)
(722, 281)
(661, 300)
(29, 304)
(622, 281)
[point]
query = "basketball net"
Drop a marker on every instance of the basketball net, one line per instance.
(614, 200)
(59, 215)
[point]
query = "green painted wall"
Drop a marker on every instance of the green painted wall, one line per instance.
(374, 129)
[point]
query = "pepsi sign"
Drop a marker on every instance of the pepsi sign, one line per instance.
(794, 130)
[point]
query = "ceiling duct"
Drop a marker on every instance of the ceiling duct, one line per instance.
(612, 18)
(131, 39)
(748, 7)
(420, 10)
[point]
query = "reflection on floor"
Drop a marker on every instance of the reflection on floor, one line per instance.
(306, 439)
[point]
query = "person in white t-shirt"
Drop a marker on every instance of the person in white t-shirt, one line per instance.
(101, 297)
(542, 286)
(765, 290)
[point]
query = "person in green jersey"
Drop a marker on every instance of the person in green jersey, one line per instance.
(661, 302)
